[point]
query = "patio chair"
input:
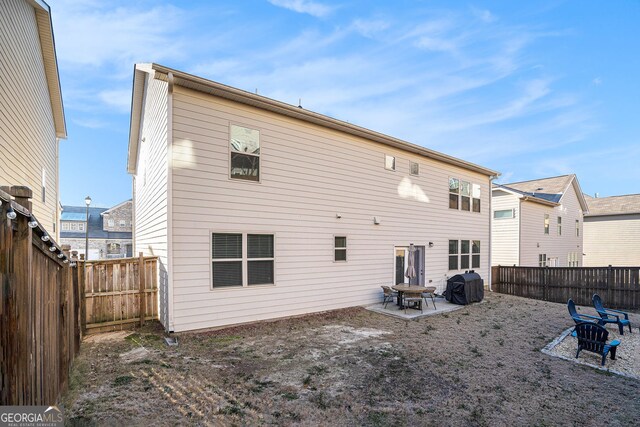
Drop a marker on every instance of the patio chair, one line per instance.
(593, 338)
(389, 295)
(408, 298)
(578, 317)
(429, 293)
(609, 316)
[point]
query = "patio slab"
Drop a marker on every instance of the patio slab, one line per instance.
(442, 305)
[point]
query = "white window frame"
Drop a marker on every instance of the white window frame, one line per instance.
(559, 225)
(468, 196)
(259, 156)
(122, 223)
(451, 192)
(478, 254)
(513, 214)
(111, 223)
(547, 224)
(245, 261)
(577, 228)
(65, 226)
(393, 159)
(81, 226)
(417, 167)
(74, 226)
(542, 260)
(457, 255)
(338, 248)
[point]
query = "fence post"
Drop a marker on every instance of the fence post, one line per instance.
(609, 280)
(545, 283)
(141, 272)
(83, 300)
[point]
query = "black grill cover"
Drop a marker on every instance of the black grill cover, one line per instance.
(465, 288)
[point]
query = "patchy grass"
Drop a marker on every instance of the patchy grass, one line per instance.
(480, 366)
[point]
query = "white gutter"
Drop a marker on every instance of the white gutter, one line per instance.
(170, 82)
(491, 178)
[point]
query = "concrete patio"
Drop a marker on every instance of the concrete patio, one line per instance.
(442, 306)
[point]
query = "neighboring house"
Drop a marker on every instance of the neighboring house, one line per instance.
(109, 230)
(538, 223)
(259, 209)
(31, 111)
(612, 231)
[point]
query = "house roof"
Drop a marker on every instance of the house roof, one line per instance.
(614, 205)
(547, 190)
(175, 77)
(96, 230)
(72, 216)
(47, 43)
(117, 206)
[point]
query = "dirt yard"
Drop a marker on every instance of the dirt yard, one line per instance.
(480, 365)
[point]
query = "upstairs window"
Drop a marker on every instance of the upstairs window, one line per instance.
(559, 226)
(465, 196)
(414, 168)
(577, 228)
(245, 153)
(390, 163)
(454, 192)
(340, 248)
(503, 214)
(123, 223)
(81, 226)
(475, 193)
(111, 223)
(546, 223)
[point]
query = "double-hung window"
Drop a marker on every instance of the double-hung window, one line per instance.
(546, 223)
(454, 192)
(475, 193)
(453, 254)
(475, 254)
(340, 248)
(559, 226)
(464, 254)
(240, 259)
(414, 168)
(465, 196)
(542, 260)
(577, 228)
(245, 153)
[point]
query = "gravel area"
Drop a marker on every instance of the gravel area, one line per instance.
(627, 355)
(478, 366)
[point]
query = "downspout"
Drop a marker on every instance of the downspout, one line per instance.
(170, 82)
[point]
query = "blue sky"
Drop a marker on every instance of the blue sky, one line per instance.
(532, 89)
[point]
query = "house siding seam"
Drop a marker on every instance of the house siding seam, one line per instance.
(27, 128)
(150, 212)
(533, 240)
(612, 240)
(308, 175)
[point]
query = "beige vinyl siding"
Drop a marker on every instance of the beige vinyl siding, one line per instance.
(308, 175)
(27, 131)
(505, 237)
(150, 211)
(612, 240)
(533, 241)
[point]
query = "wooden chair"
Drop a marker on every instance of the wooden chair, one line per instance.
(389, 295)
(593, 337)
(608, 315)
(409, 297)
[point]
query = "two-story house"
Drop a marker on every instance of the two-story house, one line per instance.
(109, 230)
(612, 231)
(32, 115)
(538, 223)
(259, 209)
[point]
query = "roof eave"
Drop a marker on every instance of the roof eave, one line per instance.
(137, 97)
(48, 46)
(523, 196)
(248, 98)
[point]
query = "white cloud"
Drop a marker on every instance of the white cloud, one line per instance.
(484, 15)
(369, 28)
(119, 99)
(597, 81)
(312, 8)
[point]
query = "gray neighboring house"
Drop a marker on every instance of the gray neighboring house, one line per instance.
(109, 230)
(612, 231)
(538, 223)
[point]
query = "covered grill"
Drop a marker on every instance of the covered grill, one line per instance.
(465, 288)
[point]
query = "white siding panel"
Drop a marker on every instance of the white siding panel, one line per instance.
(533, 240)
(150, 193)
(505, 237)
(308, 175)
(612, 240)
(27, 132)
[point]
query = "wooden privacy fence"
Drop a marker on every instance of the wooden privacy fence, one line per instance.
(619, 287)
(40, 302)
(116, 291)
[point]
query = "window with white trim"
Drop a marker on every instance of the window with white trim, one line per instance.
(242, 259)
(542, 260)
(414, 168)
(389, 163)
(74, 226)
(464, 254)
(81, 226)
(465, 196)
(65, 226)
(573, 259)
(453, 254)
(245, 153)
(340, 248)
(475, 198)
(503, 214)
(123, 223)
(577, 228)
(559, 226)
(546, 223)
(475, 254)
(111, 223)
(454, 193)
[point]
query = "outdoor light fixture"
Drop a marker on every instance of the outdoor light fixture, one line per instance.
(376, 221)
(11, 214)
(52, 248)
(32, 222)
(66, 261)
(44, 237)
(430, 244)
(61, 255)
